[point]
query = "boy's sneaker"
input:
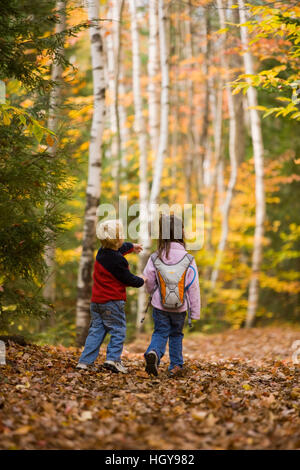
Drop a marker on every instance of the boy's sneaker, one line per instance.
(151, 363)
(82, 365)
(115, 366)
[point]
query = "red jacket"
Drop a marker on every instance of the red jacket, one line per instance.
(112, 275)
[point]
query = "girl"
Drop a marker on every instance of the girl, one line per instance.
(169, 322)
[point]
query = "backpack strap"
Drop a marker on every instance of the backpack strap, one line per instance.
(154, 256)
(191, 258)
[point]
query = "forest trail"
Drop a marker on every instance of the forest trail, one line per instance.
(240, 390)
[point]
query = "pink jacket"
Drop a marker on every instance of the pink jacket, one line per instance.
(176, 253)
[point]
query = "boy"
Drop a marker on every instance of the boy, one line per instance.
(110, 279)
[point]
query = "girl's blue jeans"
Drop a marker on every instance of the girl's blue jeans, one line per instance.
(168, 326)
(105, 318)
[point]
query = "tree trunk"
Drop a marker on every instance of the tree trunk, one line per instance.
(113, 58)
(153, 69)
(94, 174)
(218, 127)
(53, 120)
(119, 6)
(123, 119)
(142, 140)
(111, 73)
(258, 151)
(202, 137)
(164, 102)
(174, 95)
(190, 95)
(233, 137)
(237, 64)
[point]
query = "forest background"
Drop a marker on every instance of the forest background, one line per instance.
(162, 101)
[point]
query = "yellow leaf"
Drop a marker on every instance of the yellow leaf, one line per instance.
(259, 108)
(222, 30)
(6, 119)
(211, 420)
(246, 387)
(23, 430)
(283, 98)
(199, 415)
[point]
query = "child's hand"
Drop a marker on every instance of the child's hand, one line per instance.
(137, 247)
(143, 277)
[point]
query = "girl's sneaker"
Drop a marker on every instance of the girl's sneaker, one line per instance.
(151, 363)
(177, 370)
(115, 366)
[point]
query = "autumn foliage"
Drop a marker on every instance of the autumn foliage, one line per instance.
(239, 390)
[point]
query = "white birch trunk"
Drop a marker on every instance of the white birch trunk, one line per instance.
(218, 127)
(220, 184)
(140, 129)
(190, 164)
(233, 160)
(153, 69)
(175, 44)
(54, 102)
(201, 138)
(111, 72)
(123, 121)
(164, 103)
(113, 57)
(94, 174)
(258, 151)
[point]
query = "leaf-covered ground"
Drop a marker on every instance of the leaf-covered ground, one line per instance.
(240, 390)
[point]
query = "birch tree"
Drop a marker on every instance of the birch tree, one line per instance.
(218, 130)
(202, 136)
(123, 117)
(258, 152)
(153, 69)
(113, 40)
(232, 155)
(94, 174)
(164, 102)
(175, 41)
(140, 129)
(112, 83)
(53, 120)
(118, 43)
(190, 95)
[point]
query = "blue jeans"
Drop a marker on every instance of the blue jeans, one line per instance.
(168, 326)
(106, 318)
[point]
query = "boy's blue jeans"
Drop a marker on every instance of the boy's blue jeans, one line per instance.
(106, 318)
(168, 326)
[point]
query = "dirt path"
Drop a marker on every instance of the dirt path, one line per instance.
(240, 390)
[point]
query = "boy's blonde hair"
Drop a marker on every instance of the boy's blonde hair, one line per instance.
(110, 232)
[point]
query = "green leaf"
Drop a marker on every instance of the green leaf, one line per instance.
(22, 119)
(37, 131)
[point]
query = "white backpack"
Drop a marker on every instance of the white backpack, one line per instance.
(171, 282)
